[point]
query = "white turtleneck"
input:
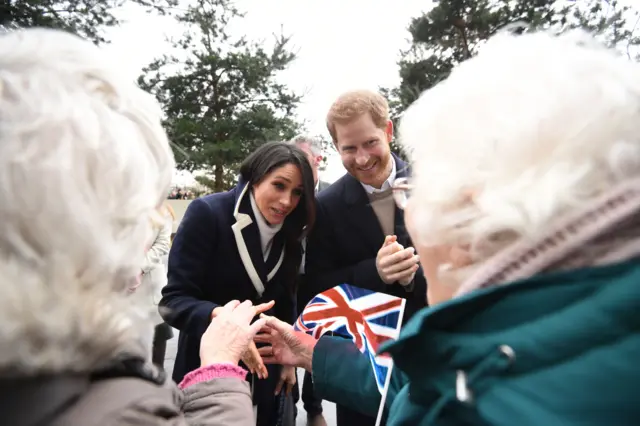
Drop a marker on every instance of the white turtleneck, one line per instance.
(267, 231)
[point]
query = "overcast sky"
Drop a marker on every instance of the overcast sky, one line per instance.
(341, 45)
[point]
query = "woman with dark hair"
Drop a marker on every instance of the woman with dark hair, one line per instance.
(243, 244)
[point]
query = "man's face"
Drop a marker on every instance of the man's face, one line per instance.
(364, 149)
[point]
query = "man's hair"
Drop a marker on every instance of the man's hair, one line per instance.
(314, 143)
(353, 104)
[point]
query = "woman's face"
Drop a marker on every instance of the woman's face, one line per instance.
(433, 259)
(278, 193)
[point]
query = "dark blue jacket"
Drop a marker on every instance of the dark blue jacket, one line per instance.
(216, 257)
(345, 240)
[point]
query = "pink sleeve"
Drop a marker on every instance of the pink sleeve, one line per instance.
(214, 371)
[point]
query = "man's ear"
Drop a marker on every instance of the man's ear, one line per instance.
(319, 159)
(389, 130)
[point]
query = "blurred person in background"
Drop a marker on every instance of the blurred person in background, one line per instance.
(74, 342)
(154, 278)
(524, 207)
(312, 404)
(313, 148)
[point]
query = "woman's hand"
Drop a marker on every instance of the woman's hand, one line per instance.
(258, 309)
(287, 346)
(288, 377)
(252, 359)
(229, 334)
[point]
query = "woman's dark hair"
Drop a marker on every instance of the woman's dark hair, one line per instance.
(298, 224)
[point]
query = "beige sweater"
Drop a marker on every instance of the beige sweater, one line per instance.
(384, 207)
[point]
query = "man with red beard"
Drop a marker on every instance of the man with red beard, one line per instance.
(359, 237)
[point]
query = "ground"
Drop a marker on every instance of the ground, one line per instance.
(329, 408)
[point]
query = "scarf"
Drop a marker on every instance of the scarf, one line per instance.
(606, 231)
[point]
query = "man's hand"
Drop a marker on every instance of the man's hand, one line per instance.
(407, 282)
(396, 263)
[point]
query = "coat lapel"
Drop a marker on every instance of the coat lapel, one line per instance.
(276, 256)
(249, 246)
(246, 239)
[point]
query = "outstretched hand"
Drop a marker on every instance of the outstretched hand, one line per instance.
(285, 345)
(230, 333)
(257, 309)
(252, 359)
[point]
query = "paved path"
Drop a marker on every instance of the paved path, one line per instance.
(329, 408)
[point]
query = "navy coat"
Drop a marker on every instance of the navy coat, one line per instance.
(216, 257)
(345, 240)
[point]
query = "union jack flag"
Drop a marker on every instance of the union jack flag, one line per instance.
(366, 317)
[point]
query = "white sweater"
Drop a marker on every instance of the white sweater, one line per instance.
(267, 231)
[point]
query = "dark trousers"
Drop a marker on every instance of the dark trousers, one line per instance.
(312, 404)
(348, 417)
(269, 404)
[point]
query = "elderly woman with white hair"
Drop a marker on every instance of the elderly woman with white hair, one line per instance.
(525, 211)
(84, 165)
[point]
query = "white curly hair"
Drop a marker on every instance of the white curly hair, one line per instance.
(532, 127)
(84, 163)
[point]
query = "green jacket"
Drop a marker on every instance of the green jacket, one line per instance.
(559, 349)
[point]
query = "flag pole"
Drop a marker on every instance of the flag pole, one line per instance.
(387, 380)
(384, 395)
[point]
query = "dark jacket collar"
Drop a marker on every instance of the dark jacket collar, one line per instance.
(362, 217)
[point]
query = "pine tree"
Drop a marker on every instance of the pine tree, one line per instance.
(454, 30)
(87, 18)
(223, 100)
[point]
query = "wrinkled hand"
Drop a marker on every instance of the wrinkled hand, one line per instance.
(229, 334)
(252, 359)
(396, 263)
(288, 377)
(286, 346)
(258, 309)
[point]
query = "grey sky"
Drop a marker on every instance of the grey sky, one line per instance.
(342, 45)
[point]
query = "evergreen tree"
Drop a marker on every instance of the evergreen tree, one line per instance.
(223, 100)
(453, 31)
(87, 18)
